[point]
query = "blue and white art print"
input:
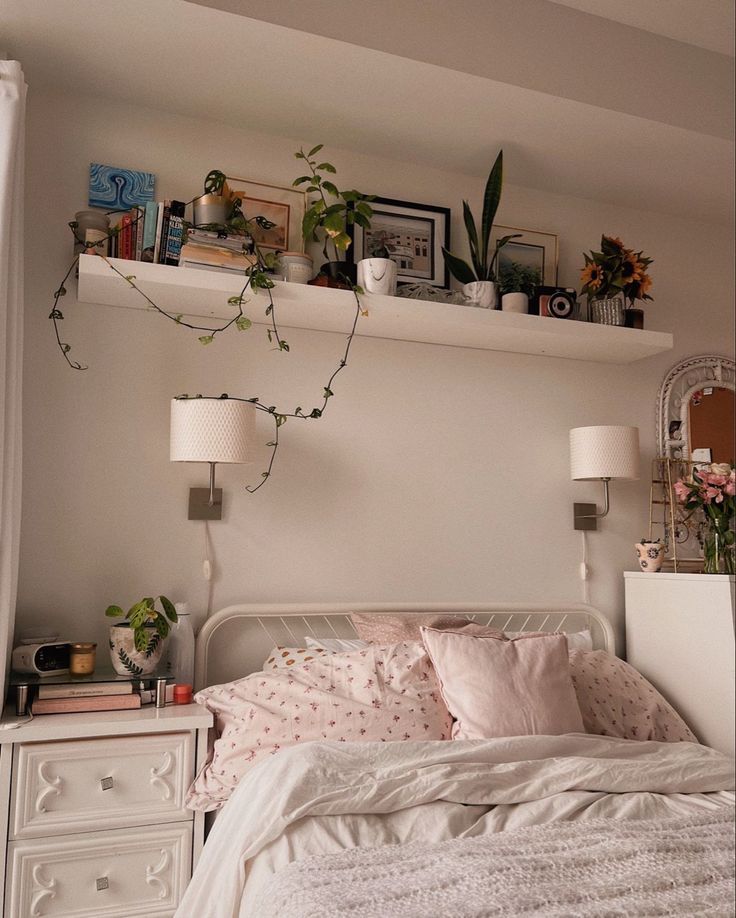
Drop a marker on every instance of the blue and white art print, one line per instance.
(114, 188)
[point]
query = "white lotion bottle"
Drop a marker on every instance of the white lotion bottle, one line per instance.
(180, 662)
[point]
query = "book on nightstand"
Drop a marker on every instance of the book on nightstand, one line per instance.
(91, 703)
(84, 689)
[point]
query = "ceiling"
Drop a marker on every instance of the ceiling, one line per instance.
(645, 123)
(706, 23)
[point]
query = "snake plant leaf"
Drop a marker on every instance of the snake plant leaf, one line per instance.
(458, 268)
(491, 200)
(472, 238)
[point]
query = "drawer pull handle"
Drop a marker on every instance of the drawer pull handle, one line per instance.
(107, 783)
(102, 883)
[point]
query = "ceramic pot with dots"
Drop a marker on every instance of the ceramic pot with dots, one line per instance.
(650, 555)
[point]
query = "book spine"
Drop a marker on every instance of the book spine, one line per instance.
(125, 236)
(164, 232)
(159, 227)
(175, 233)
(149, 231)
(86, 690)
(140, 217)
(75, 705)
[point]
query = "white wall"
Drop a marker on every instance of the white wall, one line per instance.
(437, 473)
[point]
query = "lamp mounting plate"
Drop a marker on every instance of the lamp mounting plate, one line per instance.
(199, 504)
(584, 517)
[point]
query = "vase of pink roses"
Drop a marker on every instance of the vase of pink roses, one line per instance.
(712, 489)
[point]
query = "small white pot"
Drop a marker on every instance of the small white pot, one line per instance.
(126, 660)
(515, 302)
(377, 275)
(482, 293)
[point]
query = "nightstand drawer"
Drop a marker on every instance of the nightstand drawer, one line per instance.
(101, 783)
(128, 873)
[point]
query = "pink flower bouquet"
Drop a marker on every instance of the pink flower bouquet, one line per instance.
(712, 490)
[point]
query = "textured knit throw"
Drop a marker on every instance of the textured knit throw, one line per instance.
(595, 869)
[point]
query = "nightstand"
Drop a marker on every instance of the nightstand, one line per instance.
(92, 817)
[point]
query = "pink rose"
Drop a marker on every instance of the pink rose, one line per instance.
(730, 486)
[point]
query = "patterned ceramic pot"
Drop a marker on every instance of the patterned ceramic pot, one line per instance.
(482, 293)
(126, 660)
(650, 555)
(608, 310)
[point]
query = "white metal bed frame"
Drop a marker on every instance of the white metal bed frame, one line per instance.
(235, 641)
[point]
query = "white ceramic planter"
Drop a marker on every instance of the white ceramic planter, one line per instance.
(515, 302)
(377, 275)
(126, 660)
(650, 556)
(482, 293)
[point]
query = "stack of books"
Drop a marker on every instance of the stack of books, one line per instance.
(152, 233)
(70, 697)
(210, 251)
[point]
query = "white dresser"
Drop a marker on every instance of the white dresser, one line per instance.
(680, 635)
(92, 818)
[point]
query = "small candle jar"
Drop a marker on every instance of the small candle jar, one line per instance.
(182, 694)
(82, 658)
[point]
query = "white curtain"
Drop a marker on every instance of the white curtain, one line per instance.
(12, 130)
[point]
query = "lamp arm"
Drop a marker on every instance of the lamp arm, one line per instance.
(211, 501)
(606, 504)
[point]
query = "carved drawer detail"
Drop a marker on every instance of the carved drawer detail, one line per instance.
(129, 873)
(89, 784)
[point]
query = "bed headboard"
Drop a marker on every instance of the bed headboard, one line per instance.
(235, 641)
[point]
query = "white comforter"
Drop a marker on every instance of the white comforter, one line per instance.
(322, 797)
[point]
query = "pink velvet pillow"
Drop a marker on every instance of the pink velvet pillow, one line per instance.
(616, 700)
(495, 687)
(377, 628)
(380, 693)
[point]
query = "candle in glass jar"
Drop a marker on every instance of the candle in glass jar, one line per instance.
(82, 658)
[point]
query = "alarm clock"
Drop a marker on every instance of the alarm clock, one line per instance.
(46, 659)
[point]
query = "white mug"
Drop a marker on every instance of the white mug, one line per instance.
(377, 275)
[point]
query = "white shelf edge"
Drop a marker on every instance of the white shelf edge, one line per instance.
(204, 294)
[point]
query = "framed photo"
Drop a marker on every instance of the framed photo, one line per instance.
(532, 250)
(283, 206)
(413, 234)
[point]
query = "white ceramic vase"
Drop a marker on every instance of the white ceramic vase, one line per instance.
(515, 302)
(650, 556)
(126, 660)
(377, 275)
(482, 293)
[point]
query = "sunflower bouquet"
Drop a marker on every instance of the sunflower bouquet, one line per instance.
(616, 268)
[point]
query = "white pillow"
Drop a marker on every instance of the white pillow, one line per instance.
(577, 640)
(339, 645)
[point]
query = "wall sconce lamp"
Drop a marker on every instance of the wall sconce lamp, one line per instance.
(210, 430)
(601, 454)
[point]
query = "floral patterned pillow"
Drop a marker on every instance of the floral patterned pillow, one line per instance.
(616, 700)
(380, 694)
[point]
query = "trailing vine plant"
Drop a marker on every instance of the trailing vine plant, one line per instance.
(256, 278)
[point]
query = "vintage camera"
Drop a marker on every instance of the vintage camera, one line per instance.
(555, 302)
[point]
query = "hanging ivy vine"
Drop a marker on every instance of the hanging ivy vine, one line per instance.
(256, 278)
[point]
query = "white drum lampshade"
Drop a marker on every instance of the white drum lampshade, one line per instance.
(604, 452)
(210, 430)
(601, 454)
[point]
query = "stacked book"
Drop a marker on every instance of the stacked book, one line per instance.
(211, 251)
(69, 697)
(150, 233)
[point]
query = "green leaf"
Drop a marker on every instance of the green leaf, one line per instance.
(243, 323)
(472, 237)
(168, 607)
(360, 219)
(458, 268)
(161, 625)
(280, 419)
(330, 188)
(301, 180)
(342, 241)
(491, 200)
(114, 612)
(178, 317)
(327, 167)
(206, 339)
(140, 639)
(364, 209)
(315, 149)
(333, 223)
(328, 392)
(283, 346)
(235, 300)
(315, 413)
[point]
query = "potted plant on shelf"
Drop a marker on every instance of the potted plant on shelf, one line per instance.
(212, 207)
(610, 278)
(378, 272)
(137, 643)
(517, 283)
(479, 280)
(328, 217)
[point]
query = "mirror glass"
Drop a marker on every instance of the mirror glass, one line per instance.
(711, 424)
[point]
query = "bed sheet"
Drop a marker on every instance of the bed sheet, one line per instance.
(325, 797)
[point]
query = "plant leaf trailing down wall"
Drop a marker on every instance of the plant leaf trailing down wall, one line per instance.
(257, 279)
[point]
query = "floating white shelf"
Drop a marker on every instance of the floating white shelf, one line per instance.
(205, 294)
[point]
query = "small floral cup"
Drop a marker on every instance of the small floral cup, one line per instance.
(650, 555)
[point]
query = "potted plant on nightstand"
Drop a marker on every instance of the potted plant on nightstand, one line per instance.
(328, 217)
(480, 281)
(137, 643)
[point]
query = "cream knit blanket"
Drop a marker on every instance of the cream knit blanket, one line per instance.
(595, 869)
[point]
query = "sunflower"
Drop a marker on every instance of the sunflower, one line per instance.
(631, 269)
(645, 282)
(592, 276)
